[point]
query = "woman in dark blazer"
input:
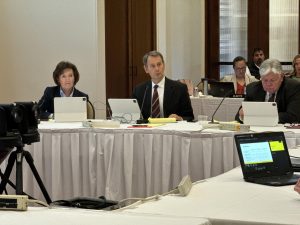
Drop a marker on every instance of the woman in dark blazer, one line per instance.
(65, 77)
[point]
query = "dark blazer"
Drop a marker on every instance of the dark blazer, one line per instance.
(287, 99)
(176, 99)
(254, 70)
(46, 103)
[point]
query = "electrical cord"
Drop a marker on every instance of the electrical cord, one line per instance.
(119, 207)
(85, 202)
(124, 118)
(33, 201)
(121, 204)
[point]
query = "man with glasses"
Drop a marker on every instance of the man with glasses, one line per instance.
(240, 78)
(273, 86)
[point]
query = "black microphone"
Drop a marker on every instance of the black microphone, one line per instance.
(142, 119)
(230, 92)
(109, 111)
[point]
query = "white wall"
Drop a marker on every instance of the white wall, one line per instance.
(181, 37)
(37, 34)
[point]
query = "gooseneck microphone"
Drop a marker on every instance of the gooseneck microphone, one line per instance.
(212, 117)
(142, 119)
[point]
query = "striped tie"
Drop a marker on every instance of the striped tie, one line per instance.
(155, 103)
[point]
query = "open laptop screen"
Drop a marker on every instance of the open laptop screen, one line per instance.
(263, 154)
(221, 89)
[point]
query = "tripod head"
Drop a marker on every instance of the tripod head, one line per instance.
(19, 120)
(28, 126)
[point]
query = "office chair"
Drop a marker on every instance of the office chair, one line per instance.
(90, 110)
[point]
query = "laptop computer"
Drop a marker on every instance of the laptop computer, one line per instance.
(70, 109)
(265, 159)
(221, 89)
(125, 110)
(260, 113)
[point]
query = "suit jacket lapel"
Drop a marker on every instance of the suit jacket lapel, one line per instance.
(262, 95)
(148, 98)
(57, 91)
(168, 93)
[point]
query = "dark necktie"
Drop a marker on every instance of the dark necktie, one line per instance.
(271, 97)
(155, 103)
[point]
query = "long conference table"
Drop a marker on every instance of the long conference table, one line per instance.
(129, 162)
(228, 199)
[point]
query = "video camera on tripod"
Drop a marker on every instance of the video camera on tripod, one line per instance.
(19, 126)
(20, 118)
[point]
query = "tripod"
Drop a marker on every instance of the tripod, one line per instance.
(17, 156)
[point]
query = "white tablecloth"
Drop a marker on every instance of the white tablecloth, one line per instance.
(120, 163)
(208, 105)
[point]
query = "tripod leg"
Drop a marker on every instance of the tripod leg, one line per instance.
(29, 160)
(8, 181)
(19, 172)
(8, 170)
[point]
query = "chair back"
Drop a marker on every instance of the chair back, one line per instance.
(90, 110)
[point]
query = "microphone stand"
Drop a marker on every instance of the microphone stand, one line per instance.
(212, 117)
(142, 119)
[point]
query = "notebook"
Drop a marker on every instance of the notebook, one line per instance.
(260, 113)
(124, 110)
(70, 109)
(265, 159)
(221, 89)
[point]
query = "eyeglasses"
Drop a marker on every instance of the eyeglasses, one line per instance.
(240, 69)
(271, 81)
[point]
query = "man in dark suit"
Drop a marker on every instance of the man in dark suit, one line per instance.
(65, 77)
(258, 57)
(273, 86)
(173, 98)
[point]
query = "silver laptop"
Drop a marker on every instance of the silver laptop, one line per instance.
(70, 109)
(260, 113)
(124, 110)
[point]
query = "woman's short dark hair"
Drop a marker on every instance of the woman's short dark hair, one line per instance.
(61, 66)
(238, 59)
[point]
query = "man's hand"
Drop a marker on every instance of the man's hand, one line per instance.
(241, 114)
(178, 118)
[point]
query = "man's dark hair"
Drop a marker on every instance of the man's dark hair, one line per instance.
(154, 54)
(256, 50)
